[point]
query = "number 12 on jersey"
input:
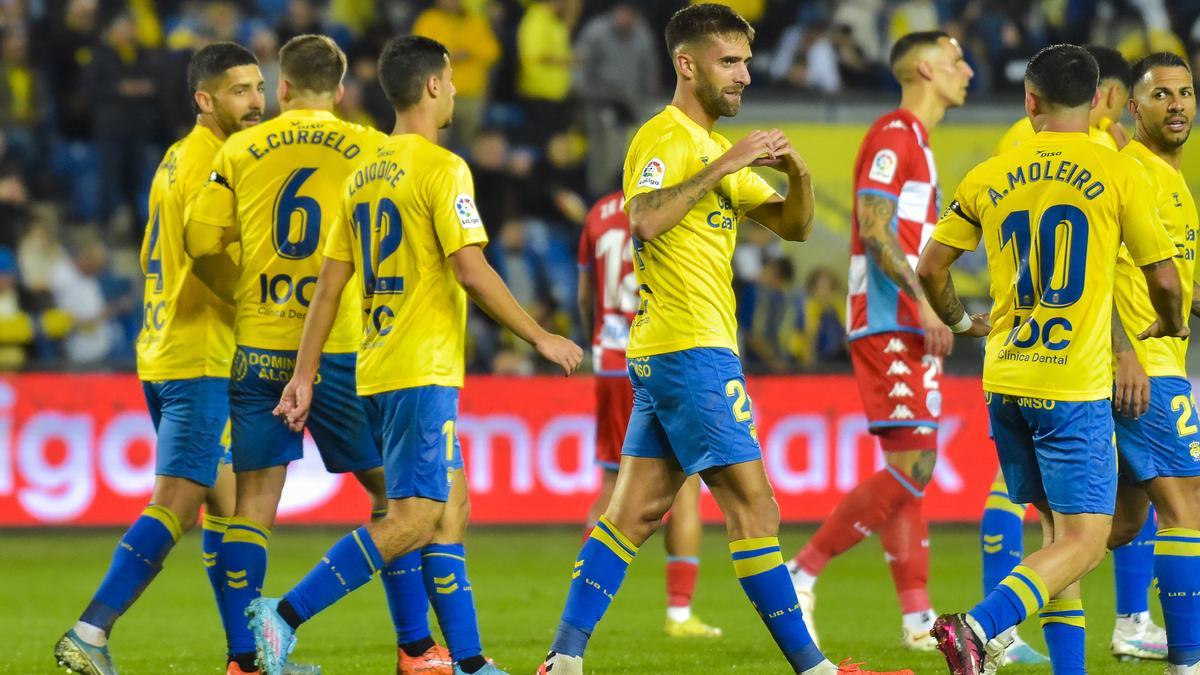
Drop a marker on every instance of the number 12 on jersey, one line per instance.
(386, 231)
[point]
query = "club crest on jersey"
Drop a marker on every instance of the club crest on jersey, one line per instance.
(652, 174)
(468, 215)
(883, 167)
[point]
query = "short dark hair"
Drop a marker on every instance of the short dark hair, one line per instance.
(1064, 75)
(913, 40)
(405, 64)
(312, 63)
(1112, 65)
(704, 21)
(1156, 60)
(213, 60)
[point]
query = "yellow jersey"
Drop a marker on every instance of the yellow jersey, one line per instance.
(187, 331)
(1053, 213)
(414, 312)
(685, 274)
(1022, 130)
(1161, 357)
(280, 183)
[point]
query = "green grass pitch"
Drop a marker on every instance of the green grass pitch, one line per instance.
(520, 580)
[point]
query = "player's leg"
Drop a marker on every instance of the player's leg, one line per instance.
(1001, 533)
(185, 413)
(219, 507)
(608, 481)
(681, 534)
(905, 539)
(1177, 566)
(1134, 635)
(614, 401)
(1062, 618)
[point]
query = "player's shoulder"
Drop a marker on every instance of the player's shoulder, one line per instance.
(360, 132)
(661, 129)
(895, 127)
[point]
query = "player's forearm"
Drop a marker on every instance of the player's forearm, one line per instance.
(653, 213)
(875, 215)
(219, 273)
(202, 239)
(488, 291)
(584, 298)
(1195, 299)
(322, 311)
(1162, 280)
(938, 288)
(1120, 339)
(796, 211)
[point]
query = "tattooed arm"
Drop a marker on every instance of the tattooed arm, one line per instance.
(933, 271)
(875, 214)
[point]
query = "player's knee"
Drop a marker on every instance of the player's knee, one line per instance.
(1088, 547)
(755, 516)
(1123, 532)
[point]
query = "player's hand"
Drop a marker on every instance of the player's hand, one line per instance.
(786, 158)
(1155, 330)
(1131, 390)
(939, 341)
(981, 326)
(295, 403)
(559, 350)
(755, 149)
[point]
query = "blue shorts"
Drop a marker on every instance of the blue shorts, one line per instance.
(189, 416)
(1057, 451)
(337, 420)
(1165, 442)
(691, 406)
(415, 428)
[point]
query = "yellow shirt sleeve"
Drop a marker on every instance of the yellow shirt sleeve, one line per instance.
(959, 225)
(456, 221)
(339, 245)
(753, 190)
(216, 204)
(1142, 229)
(656, 165)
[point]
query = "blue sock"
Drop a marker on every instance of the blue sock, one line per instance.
(136, 560)
(1133, 570)
(595, 580)
(211, 533)
(1016, 597)
(351, 562)
(1001, 535)
(446, 583)
(406, 598)
(243, 561)
(1177, 566)
(765, 579)
(1063, 627)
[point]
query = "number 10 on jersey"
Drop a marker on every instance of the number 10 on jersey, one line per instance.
(379, 265)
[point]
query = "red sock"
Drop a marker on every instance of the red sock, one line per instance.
(905, 538)
(861, 512)
(681, 580)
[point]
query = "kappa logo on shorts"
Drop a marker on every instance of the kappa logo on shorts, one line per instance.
(901, 390)
(923, 431)
(895, 346)
(901, 412)
(899, 368)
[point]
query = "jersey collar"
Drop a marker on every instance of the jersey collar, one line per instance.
(681, 117)
(308, 114)
(1145, 154)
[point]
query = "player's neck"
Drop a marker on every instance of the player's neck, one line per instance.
(209, 123)
(1172, 156)
(324, 103)
(924, 105)
(690, 105)
(1065, 122)
(416, 122)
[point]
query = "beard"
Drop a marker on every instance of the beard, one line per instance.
(230, 124)
(1162, 138)
(713, 100)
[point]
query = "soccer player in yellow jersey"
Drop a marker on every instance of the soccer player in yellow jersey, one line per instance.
(687, 189)
(1053, 213)
(406, 245)
(275, 189)
(183, 353)
(1159, 442)
(1104, 125)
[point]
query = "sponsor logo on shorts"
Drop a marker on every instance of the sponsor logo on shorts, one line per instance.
(900, 390)
(933, 402)
(1195, 451)
(899, 368)
(1029, 402)
(895, 346)
(901, 412)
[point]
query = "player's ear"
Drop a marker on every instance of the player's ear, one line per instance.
(337, 95)
(1095, 99)
(1132, 106)
(281, 90)
(203, 101)
(925, 70)
(685, 65)
(433, 86)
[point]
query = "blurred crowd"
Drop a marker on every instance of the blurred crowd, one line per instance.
(93, 91)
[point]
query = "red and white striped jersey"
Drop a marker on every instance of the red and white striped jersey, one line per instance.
(607, 248)
(895, 162)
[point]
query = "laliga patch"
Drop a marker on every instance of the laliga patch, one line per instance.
(468, 215)
(652, 174)
(883, 167)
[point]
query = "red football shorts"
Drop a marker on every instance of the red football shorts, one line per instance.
(899, 384)
(614, 402)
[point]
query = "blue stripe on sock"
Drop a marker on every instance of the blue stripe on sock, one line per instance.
(742, 555)
(1032, 587)
(600, 524)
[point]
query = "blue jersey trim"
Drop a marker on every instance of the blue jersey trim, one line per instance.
(877, 192)
(865, 332)
(905, 481)
(905, 423)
